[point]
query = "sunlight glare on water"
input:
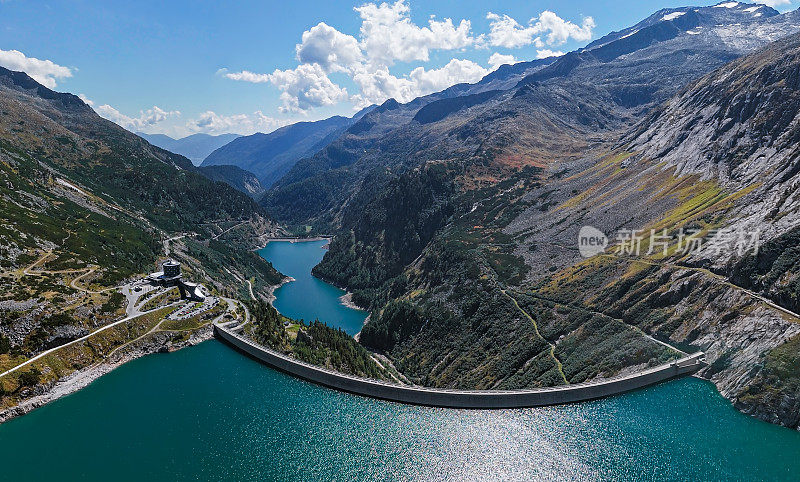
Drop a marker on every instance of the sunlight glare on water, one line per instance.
(207, 412)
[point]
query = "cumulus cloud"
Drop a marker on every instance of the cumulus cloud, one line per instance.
(146, 119)
(559, 30)
(546, 29)
(210, 122)
(497, 59)
(507, 32)
(775, 3)
(545, 53)
(246, 76)
(329, 48)
(379, 85)
(388, 34)
(86, 100)
(302, 88)
(456, 71)
(45, 72)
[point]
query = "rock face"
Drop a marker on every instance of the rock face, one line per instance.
(738, 126)
(474, 278)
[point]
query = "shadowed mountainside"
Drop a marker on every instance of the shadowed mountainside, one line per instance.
(458, 229)
(244, 181)
(270, 156)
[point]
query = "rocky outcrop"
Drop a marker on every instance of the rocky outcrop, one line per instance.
(739, 127)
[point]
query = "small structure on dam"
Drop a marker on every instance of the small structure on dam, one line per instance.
(170, 275)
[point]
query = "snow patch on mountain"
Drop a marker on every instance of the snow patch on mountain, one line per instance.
(673, 15)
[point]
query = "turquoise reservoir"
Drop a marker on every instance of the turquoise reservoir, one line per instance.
(307, 297)
(209, 413)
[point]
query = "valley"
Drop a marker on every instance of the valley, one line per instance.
(452, 224)
(680, 429)
(451, 215)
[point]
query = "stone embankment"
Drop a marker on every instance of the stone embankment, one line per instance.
(477, 399)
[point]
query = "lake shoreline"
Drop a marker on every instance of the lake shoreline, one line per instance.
(289, 239)
(83, 377)
(347, 301)
(295, 297)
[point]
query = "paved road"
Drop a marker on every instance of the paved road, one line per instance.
(167, 241)
(78, 340)
(250, 287)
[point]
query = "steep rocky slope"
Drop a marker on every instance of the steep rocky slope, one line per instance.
(86, 206)
(739, 128)
(459, 229)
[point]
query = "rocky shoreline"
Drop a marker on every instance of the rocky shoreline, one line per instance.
(272, 288)
(347, 300)
(159, 342)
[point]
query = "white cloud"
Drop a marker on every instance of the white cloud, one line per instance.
(246, 76)
(388, 34)
(775, 3)
(302, 88)
(379, 85)
(86, 100)
(146, 119)
(328, 47)
(456, 71)
(507, 32)
(210, 122)
(560, 30)
(545, 53)
(45, 72)
(497, 59)
(504, 31)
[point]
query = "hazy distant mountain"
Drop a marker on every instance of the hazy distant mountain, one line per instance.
(195, 147)
(270, 156)
(236, 177)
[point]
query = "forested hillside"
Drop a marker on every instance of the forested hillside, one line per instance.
(457, 221)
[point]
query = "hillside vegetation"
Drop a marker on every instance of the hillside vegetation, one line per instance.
(457, 215)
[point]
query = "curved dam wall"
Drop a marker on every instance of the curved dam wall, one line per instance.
(460, 398)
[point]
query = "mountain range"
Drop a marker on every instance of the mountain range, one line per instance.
(88, 206)
(270, 156)
(456, 216)
(195, 147)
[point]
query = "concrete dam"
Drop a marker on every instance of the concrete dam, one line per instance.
(471, 399)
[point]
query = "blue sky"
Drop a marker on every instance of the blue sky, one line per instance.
(181, 67)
